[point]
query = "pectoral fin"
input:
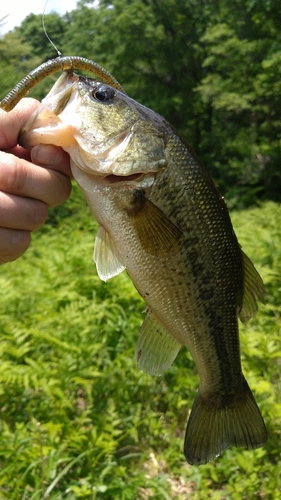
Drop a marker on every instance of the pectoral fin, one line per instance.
(253, 290)
(157, 234)
(108, 260)
(156, 349)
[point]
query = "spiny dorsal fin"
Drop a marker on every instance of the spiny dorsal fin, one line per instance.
(108, 260)
(157, 234)
(156, 349)
(253, 290)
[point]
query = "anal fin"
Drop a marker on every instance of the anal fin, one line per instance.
(156, 349)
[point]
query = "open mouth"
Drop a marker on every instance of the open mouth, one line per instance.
(114, 179)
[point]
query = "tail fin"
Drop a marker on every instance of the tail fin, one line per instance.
(213, 426)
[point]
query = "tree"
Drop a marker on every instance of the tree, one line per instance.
(16, 59)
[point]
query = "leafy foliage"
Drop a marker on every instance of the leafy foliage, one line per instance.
(15, 60)
(78, 419)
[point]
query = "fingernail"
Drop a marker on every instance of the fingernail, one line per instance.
(46, 155)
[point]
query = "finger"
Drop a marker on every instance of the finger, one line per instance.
(21, 213)
(13, 243)
(52, 157)
(22, 178)
(20, 152)
(12, 122)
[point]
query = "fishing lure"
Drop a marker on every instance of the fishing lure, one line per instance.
(66, 63)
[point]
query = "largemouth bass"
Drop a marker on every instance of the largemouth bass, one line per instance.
(162, 219)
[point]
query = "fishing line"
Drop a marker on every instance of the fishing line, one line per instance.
(45, 31)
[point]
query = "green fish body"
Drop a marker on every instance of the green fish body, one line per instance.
(162, 219)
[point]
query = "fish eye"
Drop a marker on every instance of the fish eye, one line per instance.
(103, 93)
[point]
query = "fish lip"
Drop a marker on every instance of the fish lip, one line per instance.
(104, 163)
(117, 179)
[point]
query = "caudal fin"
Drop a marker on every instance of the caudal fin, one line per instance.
(215, 426)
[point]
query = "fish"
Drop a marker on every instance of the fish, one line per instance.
(162, 218)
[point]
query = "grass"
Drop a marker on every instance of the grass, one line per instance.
(78, 419)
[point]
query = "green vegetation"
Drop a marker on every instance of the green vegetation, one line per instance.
(78, 419)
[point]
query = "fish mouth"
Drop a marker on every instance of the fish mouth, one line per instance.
(116, 179)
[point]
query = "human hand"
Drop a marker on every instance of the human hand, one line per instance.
(30, 182)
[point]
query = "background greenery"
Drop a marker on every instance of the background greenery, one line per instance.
(78, 419)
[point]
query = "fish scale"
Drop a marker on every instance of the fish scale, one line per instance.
(162, 219)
